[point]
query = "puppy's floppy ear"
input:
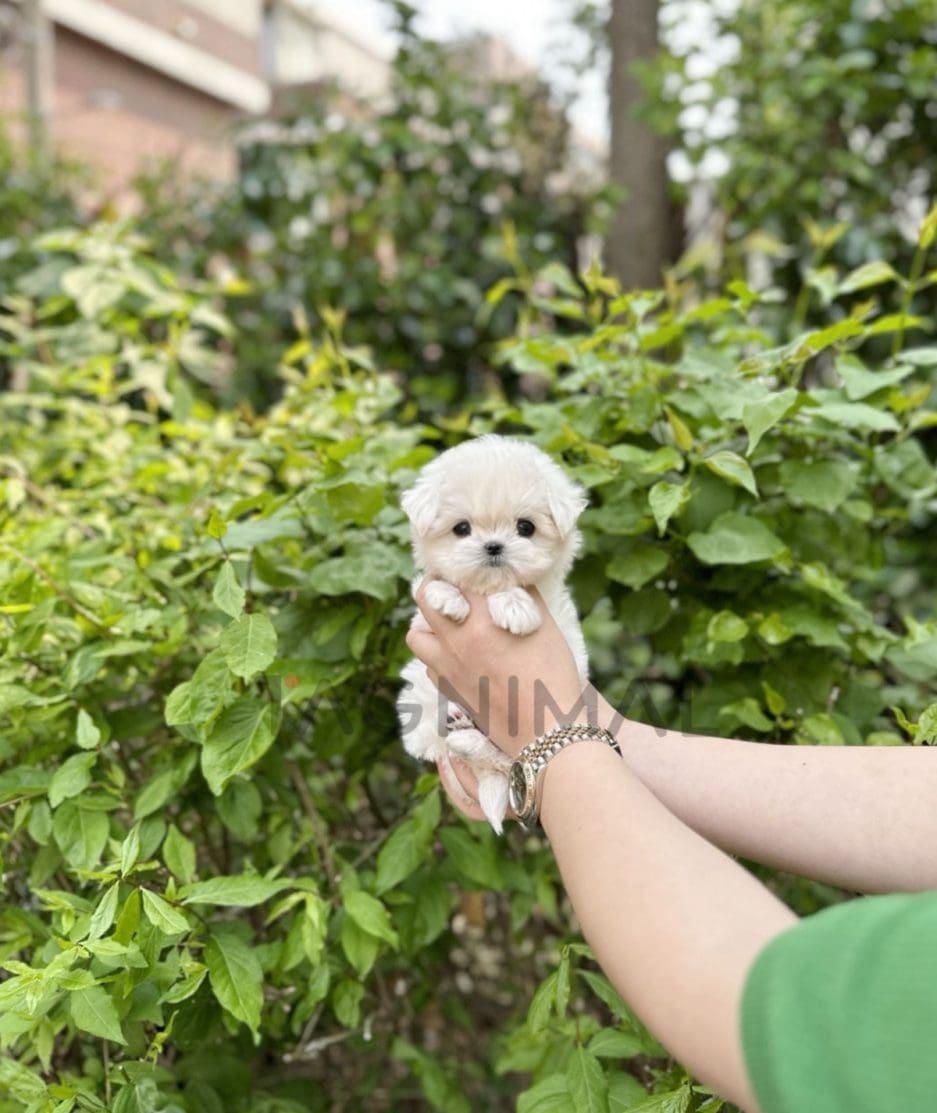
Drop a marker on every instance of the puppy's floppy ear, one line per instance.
(421, 504)
(566, 500)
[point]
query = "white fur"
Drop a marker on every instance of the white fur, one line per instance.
(491, 483)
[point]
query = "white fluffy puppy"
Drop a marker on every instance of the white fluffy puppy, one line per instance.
(489, 516)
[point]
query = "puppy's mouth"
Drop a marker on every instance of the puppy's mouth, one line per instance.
(493, 573)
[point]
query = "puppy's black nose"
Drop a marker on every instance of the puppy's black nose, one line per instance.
(494, 548)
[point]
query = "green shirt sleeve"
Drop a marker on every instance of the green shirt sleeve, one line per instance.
(839, 1012)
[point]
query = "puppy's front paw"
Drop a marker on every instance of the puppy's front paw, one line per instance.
(448, 600)
(514, 610)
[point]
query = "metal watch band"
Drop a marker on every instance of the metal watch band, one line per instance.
(530, 762)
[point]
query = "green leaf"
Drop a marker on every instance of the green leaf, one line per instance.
(672, 1101)
(731, 467)
(866, 275)
(606, 992)
(241, 736)
(549, 1095)
(407, 847)
(762, 416)
(235, 975)
(105, 912)
(130, 850)
(928, 230)
(93, 289)
(920, 357)
(22, 1084)
(162, 915)
(228, 595)
(128, 919)
(93, 1011)
(856, 415)
(917, 660)
(179, 705)
(71, 778)
(475, 859)
(360, 948)
(542, 1004)
(735, 538)
(40, 822)
(237, 891)
(87, 734)
(612, 1043)
(625, 1092)
(179, 854)
(187, 986)
(726, 626)
(370, 915)
(925, 733)
(666, 500)
(154, 794)
(216, 526)
(80, 833)
(375, 570)
(249, 644)
(559, 275)
(747, 712)
(208, 687)
(859, 382)
(586, 1080)
(638, 565)
(346, 1002)
(825, 484)
(821, 730)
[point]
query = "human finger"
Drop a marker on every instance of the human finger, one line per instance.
(459, 790)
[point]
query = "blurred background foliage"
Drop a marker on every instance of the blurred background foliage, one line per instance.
(400, 217)
(229, 888)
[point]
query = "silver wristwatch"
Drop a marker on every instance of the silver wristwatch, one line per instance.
(525, 771)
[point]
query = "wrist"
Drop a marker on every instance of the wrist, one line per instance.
(574, 769)
(526, 776)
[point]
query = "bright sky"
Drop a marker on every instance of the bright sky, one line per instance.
(535, 29)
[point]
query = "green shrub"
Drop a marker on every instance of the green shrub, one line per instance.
(399, 216)
(33, 197)
(228, 888)
(822, 117)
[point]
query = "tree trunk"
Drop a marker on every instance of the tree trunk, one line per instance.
(645, 236)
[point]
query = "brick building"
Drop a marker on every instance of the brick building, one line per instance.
(118, 82)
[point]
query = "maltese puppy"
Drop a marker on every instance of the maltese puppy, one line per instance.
(491, 515)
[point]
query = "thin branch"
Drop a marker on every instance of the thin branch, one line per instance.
(319, 830)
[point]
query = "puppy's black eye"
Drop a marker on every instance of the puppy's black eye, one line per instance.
(525, 527)
(462, 529)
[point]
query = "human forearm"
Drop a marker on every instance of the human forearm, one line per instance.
(673, 921)
(863, 818)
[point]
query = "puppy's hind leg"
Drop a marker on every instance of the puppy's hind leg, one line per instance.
(422, 714)
(490, 766)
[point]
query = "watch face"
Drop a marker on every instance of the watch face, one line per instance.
(517, 788)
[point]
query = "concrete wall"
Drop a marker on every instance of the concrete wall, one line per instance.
(120, 115)
(136, 80)
(311, 45)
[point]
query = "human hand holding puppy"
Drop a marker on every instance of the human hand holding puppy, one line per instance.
(490, 518)
(518, 686)
(522, 685)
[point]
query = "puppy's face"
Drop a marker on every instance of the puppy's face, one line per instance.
(494, 513)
